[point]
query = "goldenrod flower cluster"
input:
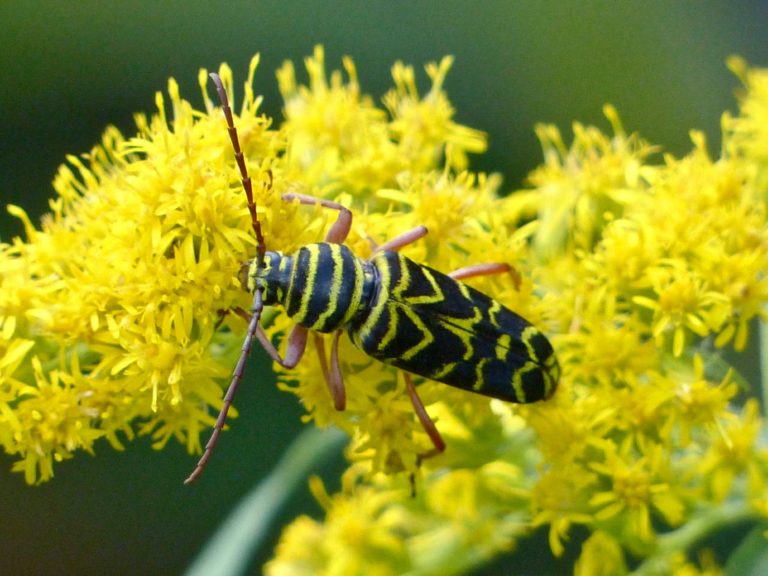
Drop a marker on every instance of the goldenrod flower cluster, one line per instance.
(640, 267)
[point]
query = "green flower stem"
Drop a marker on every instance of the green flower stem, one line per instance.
(230, 549)
(695, 530)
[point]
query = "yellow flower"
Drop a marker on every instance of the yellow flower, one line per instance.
(53, 420)
(559, 500)
(635, 268)
(422, 126)
(634, 490)
(456, 520)
(122, 288)
(701, 403)
(747, 134)
(732, 452)
(681, 301)
(680, 565)
(602, 555)
(114, 319)
(339, 141)
(578, 189)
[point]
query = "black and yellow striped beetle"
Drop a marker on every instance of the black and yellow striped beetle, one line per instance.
(395, 310)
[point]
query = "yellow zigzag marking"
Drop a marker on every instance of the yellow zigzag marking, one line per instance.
(502, 346)
(493, 312)
(467, 324)
(446, 369)
(527, 335)
(517, 380)
(426, 341)
(405, 282)
(479, 380)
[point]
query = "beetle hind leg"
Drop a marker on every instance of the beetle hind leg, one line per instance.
(427, 423)
(488, 269)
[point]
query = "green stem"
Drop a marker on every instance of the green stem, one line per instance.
(685, 537)
(229, 551)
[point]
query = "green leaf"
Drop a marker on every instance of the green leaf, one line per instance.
(228, 552)
(751, 557)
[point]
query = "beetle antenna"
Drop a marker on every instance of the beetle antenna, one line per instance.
(261, 246)
(237, 376)
(258, 306)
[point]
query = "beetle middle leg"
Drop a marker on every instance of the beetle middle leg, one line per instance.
(332, 374)
(403, 240)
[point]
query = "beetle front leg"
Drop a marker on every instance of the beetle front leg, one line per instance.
(340, 229)
(294, 350)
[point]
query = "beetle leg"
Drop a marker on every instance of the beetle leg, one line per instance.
(336, 381)
(242, 312)
(401, 241)
(426, 421)
(487, 270)
(480, 270)
(297, 342)
(340, 229)
(333, 375)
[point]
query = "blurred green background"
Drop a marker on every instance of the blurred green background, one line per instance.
(69, 69)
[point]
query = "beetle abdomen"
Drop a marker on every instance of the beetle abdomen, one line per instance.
(429, 324)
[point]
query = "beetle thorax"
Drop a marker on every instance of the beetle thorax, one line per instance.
(272, 277)
(322, 286)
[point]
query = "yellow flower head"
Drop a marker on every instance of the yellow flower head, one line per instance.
(115, 301)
